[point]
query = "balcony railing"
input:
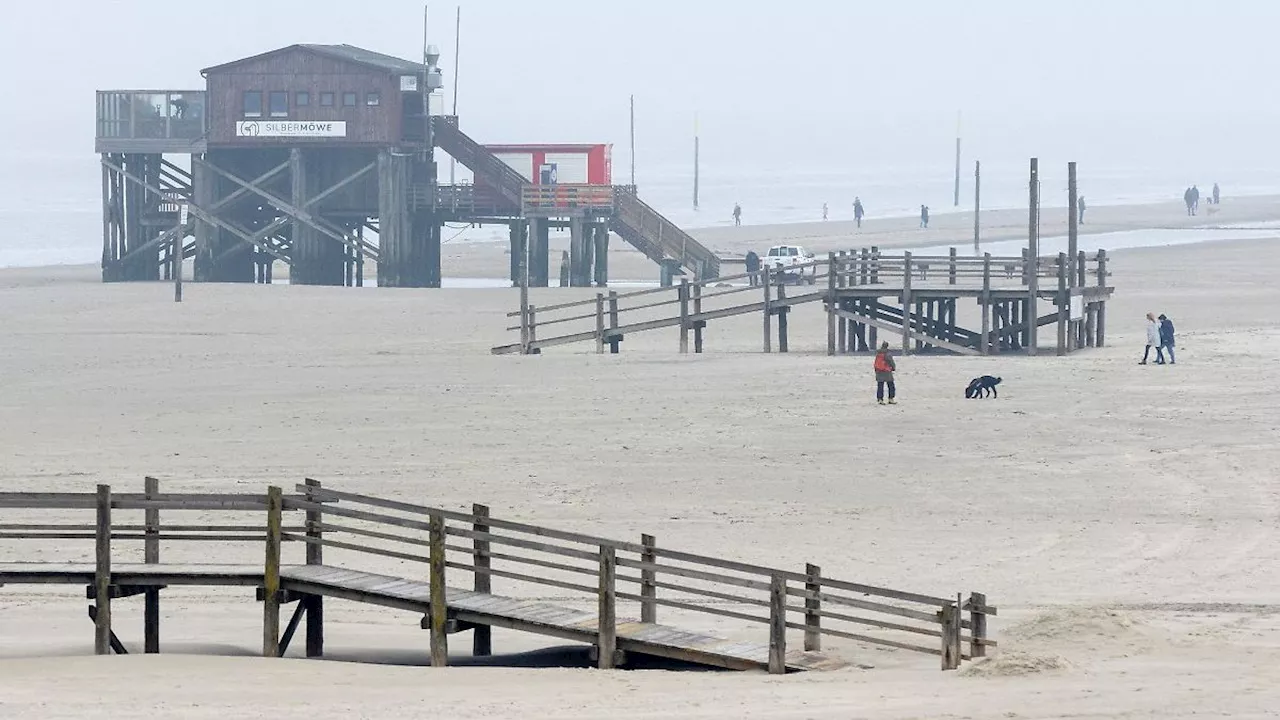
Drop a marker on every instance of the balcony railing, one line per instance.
(142, 118)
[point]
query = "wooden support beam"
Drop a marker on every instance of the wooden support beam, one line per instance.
(648, 578)
(113, 642)
(1064, 304)
(607, 628)
(151, 556)
(314, 556)
(482, 635)
(439, 603)
(291, 628)
(777, 625)
(813, 608)
(271, 575)
(102, 573)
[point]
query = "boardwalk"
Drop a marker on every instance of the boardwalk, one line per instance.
(782, 600)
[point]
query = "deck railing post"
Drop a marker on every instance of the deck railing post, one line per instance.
(533, 331)
(977, 625)
(315, 556)
(832, 271)
(614, 340)
(648, 578)
(777, 625)
(683, 291)
(875, 265)
(1064, 303)
(698, 325)
(439, 604)
(482, 635)
(782, 318)
(768, 311)
(985, 341)
(812, 607)
(906, 303)
(607, 639)
(151, 556)
(950, 620)
(951, 272)
(1100, 329)
(599, 323)
(102, 573)
(271, 575)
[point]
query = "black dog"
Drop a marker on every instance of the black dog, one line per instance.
(982, 387)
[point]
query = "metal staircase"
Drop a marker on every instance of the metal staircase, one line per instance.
(644, 228)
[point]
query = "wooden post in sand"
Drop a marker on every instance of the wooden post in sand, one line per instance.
(271, 575)
(812, 608)
(314, 556)
(1101, 329)
(777, 625)
(768, 311)
(782, 318)
(832, 270)
(607, 627)
(151, 556)
(684, 315)
(614, 339)
(482, 635)
(906, 302)
(599, 323)
(1064, 303)
(698, 325)
(439, 609)
(1033, 257)
(102, 573)
(984, 342)
(977, 625)
(648, 580)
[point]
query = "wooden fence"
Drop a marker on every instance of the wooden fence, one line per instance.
(609, 317)
(609, 574)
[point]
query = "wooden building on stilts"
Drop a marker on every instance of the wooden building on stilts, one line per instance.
(322, 158)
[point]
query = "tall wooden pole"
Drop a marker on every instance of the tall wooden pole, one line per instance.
(977, 204)
(957, 195)
(1073, 228)
(1033, 256)
(633, 141)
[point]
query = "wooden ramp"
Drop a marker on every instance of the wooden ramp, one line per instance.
(452, 560)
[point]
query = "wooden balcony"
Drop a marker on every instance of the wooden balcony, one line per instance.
(150, 121)
(567, 200)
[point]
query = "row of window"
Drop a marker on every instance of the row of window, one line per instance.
(278, 101)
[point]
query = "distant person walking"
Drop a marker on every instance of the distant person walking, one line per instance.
(1080, 208)
(885, 367)
(1215, 194)
(753, 267)
(737, 214)
(824, 212)
(1195, 199)
(924, 216)
(858, 212)
(1153, 340)
(1186, 198)
(1166, 338)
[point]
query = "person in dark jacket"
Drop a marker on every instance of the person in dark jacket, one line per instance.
(1166, 338)
(885, 367)
(1080, 207)
(753, 267)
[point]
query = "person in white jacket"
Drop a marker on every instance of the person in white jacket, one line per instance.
(1153, 340)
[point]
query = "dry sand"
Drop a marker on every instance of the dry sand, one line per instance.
(1125, 519)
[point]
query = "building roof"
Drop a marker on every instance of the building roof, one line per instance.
(346, 53)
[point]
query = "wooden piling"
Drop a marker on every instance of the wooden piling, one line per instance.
(482, 635)
(439, 609)
(151, 556)
(607, 638)
(951, 267)
(1033, 257)
(1101, 325)
(684, 315)
(102, 573)
(984, 343)
(977, 625)
(271, 575)
(812, 608)
(906, 303)
(314, 556)
(599, 323)
(698, 325)
(782, 319)
(614, 340)
(1064, 304)
(950, 620)
(832, 271)
(777, 625)
(766, 282)
(648, 580)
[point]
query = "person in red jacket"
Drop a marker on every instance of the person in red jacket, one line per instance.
(885, 367)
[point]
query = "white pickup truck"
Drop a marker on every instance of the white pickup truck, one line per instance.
(790, 263)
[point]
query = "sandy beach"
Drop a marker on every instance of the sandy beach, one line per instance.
(1123, 518)
(491, 259)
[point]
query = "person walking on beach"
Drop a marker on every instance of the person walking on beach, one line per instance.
(1153, 340)
(1080, 207)
(737, 214)
(1215, 193)
(1186, 197)
(1195, 199)
(858, 211)
(1166, 338)
(924, 216)
(885, 367)
(824, 212)
(753, 267)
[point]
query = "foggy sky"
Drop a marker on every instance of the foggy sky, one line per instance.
(1108, 83)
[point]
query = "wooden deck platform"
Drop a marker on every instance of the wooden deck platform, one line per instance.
(466, 608)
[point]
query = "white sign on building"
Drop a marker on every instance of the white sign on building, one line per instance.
(290, 128)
